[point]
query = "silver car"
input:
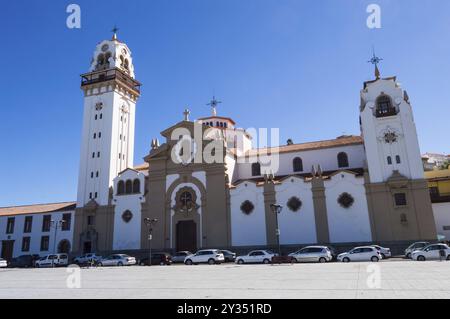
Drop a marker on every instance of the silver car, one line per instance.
(416, 246)
(118, 260)
(385, 252)
(180, 256)
(321, 254)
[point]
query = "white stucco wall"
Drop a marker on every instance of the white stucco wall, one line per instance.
(128, 235)
(441, 213)
(326, 158)
(347, 224)
(36, 233)
(248, 230)
(296, 227)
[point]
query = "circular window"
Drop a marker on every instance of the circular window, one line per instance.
(127, 216)
(247, 207)
(294, 204)
(346, 200)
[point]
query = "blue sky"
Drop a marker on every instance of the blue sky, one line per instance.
(294, 64)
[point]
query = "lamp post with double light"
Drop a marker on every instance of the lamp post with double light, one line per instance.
(276, 209)
(56, 224)
(150, 223)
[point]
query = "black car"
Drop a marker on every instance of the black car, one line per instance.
(229, 256)
(25, 261)
(157, 259)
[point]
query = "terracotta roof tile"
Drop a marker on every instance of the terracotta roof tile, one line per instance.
(340, 141)
(37, 209)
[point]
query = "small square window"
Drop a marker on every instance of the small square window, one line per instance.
(400, 199)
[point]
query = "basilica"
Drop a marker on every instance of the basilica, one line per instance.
(203, 183)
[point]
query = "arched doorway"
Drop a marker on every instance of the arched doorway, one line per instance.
(186, 236)
(64, 247)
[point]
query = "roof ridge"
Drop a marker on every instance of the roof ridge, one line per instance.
(41, 204)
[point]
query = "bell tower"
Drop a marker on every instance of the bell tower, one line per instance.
(110, 96)
(397, 193)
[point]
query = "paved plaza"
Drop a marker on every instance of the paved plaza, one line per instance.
(387, 279)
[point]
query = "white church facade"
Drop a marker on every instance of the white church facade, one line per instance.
(352, 189)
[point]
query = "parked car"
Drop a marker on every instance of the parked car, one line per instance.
(210, 256)
(117, 260)
(365, 253)
(385, 252)
(24, 261)
(312, 254)
(431, 252)
(180, 256)
(228, 255)
(3, 263)
(256, 257)
(415, 246)
(157, 259)
(53, 260)
(87, 258)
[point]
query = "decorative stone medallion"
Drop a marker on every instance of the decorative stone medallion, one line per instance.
(294, 204)
(247, 207)
(127, 216)
(390, 137)
(346, 200)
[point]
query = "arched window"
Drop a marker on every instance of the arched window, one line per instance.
(107, 57)
(385, 107)
(128, 187)
(256, 169)
(136, 186)
(342, 160)
(397, 159)
(120, 188)
(126, 65)
(100, 60)
(64, 247)
(298, 164)
(389, 160)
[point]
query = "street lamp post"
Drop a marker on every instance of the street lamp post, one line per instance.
(276, 209)
(150, 223)
(56, 224)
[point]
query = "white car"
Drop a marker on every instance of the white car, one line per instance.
(385, 252)
(210, 256)
(431, 252)
(3, 263)
(54, 260)
(319, 254)
(415, 246)
(364, 253)
(87, 258)
(117, 260)
(256, 257)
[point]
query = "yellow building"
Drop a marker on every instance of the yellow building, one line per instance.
(439, 183)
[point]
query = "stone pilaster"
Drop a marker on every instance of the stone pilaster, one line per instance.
(320, 210)
(271, 224)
